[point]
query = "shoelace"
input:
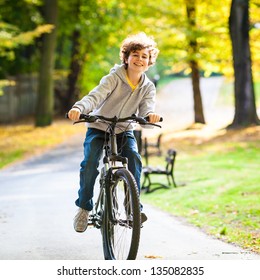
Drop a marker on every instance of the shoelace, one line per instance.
(82, 215)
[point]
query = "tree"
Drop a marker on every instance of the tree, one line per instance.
(245, 105)
(193, 62)
(11, 38)
(192, 35)
(89, 27)
(187, 32)
(21, 26)
(45, 101)
(71, 93)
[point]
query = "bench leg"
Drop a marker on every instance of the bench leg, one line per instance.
(145, 186)
(173, 181)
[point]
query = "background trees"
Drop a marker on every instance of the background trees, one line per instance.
(193, 37)
(245, 106)
(21, 26)
(84, 31)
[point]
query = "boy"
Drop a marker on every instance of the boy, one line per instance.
(126, 90)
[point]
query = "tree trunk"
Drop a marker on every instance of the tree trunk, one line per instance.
(75, 68)
(45, 101)
(195, 76)
(245, 106)
(198, 107)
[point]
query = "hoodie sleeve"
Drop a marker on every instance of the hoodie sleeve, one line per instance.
(147, 105)
(98, 95)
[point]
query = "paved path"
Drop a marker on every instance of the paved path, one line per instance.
(175, 104)
(37, 208)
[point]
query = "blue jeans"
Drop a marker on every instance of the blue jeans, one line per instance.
(93, 147)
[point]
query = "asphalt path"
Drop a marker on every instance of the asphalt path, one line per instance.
(37, 209)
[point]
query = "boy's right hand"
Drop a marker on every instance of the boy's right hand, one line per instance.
(74, 114)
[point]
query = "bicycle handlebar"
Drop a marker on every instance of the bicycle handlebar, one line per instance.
(93, 118)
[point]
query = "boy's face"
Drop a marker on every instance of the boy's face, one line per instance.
(138, 60)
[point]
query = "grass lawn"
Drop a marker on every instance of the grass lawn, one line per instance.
(219, 184)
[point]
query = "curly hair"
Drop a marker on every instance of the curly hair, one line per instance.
(138, 42)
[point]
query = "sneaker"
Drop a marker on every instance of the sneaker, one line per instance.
(81, 220)
(130, 219)
(143, 218)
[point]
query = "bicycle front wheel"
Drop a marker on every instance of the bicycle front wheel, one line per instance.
(121, 235)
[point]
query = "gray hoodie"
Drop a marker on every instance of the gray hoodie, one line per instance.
(114, 97)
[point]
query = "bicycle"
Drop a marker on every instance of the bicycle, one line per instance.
(117, 209)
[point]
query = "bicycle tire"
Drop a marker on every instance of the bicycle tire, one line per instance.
(121, 237)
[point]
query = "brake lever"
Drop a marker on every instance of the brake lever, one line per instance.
(147, 119)
(154, 124)
(80, 121)
(86, 118)
(146, 122)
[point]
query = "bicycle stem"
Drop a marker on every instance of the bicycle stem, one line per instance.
(113, 140)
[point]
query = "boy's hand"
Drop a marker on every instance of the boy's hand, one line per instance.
(74, 114)
(154, 118)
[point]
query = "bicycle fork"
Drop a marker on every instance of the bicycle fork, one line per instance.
(96, 217)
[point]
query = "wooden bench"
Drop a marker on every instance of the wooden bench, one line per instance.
(152, 148)
(168, 171)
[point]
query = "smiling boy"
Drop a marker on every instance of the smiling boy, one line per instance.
(126, 90)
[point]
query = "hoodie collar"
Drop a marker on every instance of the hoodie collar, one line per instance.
(120, 71)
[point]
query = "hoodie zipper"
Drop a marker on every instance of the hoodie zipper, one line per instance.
(126, 103)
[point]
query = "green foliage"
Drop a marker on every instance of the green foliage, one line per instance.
(255, 37)
(11, 38)
(21, 25)
(175, 33)
(103, 24)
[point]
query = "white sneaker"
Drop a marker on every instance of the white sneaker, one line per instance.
(81, 220)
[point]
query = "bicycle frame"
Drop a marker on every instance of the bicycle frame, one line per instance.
(110, 159)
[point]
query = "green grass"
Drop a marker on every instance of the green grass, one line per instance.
(219, 191)
(9, 157)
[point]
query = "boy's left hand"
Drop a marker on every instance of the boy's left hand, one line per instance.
(154, 118)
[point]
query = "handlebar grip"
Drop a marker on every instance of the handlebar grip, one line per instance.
(82, 116)
(147, 119)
